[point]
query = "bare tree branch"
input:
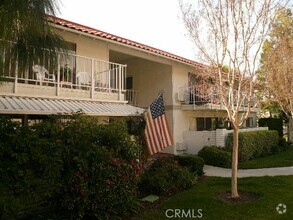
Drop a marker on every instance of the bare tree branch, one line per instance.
(231, 33)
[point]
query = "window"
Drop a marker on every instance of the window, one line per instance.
(129, 82)
(203, 124)
(207, 123)
(192, 78)
(68, 63)
(249, 122)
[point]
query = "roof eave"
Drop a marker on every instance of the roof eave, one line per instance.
(57, 23)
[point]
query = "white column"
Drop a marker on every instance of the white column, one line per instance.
(16, 78)
(120, 83)
(58, 76)
(220, 137)
(93, 80)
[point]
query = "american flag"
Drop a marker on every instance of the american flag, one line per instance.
(157, 132)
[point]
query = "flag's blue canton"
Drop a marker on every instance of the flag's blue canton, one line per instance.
(157, 107)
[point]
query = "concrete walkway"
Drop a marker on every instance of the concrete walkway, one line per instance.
(223, 172)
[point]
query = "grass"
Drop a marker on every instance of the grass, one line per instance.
(283, 159)
(272, 191)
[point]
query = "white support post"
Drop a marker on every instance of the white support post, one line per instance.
(93, 80)
(58, 76)
(193, 96)
(109, 79)
(16, 78)
(117, 73)
(124, 77)
(120, 83)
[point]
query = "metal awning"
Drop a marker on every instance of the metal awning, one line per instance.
(47, 106)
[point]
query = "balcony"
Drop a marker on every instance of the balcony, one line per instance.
(71, 76)
(199, 97)
(203, 97)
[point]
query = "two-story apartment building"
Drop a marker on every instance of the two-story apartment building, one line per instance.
(107, 75)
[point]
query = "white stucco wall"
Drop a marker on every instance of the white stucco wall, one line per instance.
(151, 75)
(86, 46)
(196, 140)
(149, 79)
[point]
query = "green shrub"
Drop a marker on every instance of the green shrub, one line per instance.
(193, 162)
(77, 168)
(283, 144)
(272, 124)
(254, 144)
(216, 156)
(101, 172)
(30, 170)
(276, 149)
(165, 176)
(101, 184)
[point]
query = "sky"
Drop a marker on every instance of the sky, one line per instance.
(155, 23)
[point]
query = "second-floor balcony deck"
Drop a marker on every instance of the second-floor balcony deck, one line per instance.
(197, 97)
(70, 76)
(203, 97)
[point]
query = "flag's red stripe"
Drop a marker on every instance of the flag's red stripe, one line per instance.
(146, 136)
(157, 146)
(152, 131)
(150, 139)
(158, 132)
(164, 135)
(168, 132)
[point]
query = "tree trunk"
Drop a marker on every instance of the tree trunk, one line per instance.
(290, 130)
(234, 188)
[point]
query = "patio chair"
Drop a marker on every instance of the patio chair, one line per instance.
(42, 74)
(83, 78)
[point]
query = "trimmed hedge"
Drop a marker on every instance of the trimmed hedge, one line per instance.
(283, 145)
(166, 176)
(272, 124)
(216, 156)
(254, 144)
(193, 162)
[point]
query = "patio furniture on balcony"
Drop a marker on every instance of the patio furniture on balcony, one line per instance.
(69, 76)
(42, 74)
(83, 79)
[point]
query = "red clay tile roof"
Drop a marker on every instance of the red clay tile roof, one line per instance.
(102, 34)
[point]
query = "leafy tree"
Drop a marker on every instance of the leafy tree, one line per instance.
(231, 33)
(25, 31)
(277, 66)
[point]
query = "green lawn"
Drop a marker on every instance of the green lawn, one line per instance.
(272, 191)
(283, 159)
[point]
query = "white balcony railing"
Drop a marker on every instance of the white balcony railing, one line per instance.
(131, 96)
(70, 71)
(197, 95)
(204, 94)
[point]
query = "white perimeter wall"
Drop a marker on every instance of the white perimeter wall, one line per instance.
(196, 140)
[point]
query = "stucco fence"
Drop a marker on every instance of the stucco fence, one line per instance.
(196, 140)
